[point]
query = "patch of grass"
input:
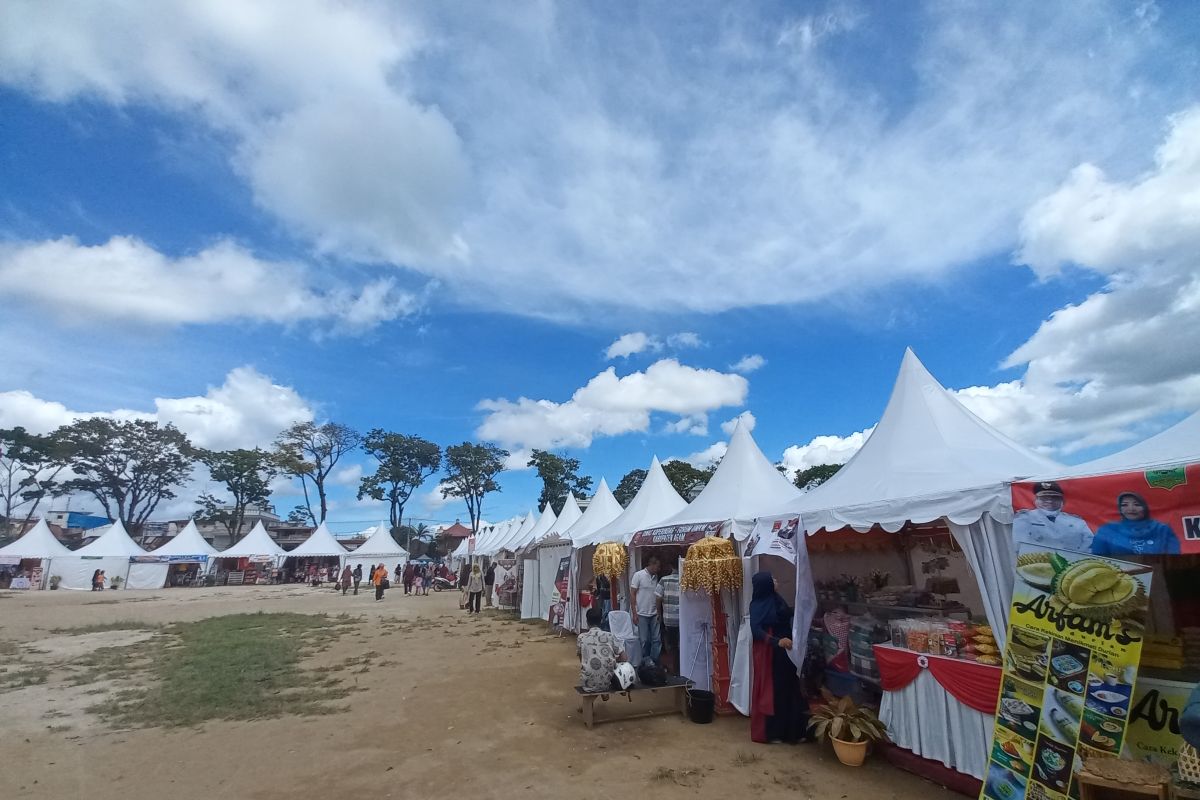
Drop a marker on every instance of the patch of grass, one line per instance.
(9, 648)
(115, 625)
(680, 777)
(244, 666)
(59, 728)
(19, 679)
(743, 759)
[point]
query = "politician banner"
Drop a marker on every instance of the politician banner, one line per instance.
(1122, 514)
(1075, 639)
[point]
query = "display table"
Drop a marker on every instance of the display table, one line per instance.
(21, 583)
(942, 709)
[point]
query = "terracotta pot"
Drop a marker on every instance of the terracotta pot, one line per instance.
(852, 754)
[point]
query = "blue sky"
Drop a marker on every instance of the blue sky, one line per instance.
(438, 220)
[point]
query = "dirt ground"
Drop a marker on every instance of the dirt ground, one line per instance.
(451, 706)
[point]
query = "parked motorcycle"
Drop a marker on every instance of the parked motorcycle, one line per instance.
(444, 584)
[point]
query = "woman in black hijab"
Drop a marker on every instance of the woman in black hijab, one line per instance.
(778, 710)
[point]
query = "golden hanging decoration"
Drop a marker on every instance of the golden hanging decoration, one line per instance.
(711, 565)
(610, 559)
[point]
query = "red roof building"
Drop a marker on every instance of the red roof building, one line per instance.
(456, 531)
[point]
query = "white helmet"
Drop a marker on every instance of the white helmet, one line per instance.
(626, 675)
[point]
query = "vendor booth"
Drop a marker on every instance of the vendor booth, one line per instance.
(187, 557)
(380, 547)
(27, 561)
(320, 551)
(933, 477)
(528, 573)
(602, 510)
(744, 484)
(252, 559)
(654, 502)
(111, 553)
(552, 556)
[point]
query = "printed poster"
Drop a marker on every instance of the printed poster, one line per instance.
(1075, 639)
(774, 538)
(1151, 512)
(1153, 733)
(559, 607)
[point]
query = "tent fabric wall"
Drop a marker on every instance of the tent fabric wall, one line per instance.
(76, 571)
(924, 718)
(988, 546)
(149, 576)
(695, 650)
(548, 559)
(529, 589)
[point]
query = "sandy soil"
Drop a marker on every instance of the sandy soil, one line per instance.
(453, 706)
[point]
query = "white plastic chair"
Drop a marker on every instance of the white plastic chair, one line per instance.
(620, 624)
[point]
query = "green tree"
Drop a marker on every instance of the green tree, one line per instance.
(688, 479)
(405, 462)
(247, 476)
(813, 477)
(310, 452)
(29, 468)
(471, 471)
(559, 475)
(300, 515)
(629, 486)
(128, 466)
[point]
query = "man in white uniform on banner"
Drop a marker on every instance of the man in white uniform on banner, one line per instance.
(1047, 525)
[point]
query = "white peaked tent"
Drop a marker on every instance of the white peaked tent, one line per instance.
(490, 545)
(745, 484)
(566, 518)
(929, 458)
(655, 501)
(188, 542)
(602, 510)
(187, 546)
(110, 552)
(379, 547)
(319, 544)
(518, 532)
(38, 543)
(549, 551)
(1178, 444)
(255, 544)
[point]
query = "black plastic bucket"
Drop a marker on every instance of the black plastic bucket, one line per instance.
(701, 705)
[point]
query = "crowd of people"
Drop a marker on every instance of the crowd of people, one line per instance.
(416, 579)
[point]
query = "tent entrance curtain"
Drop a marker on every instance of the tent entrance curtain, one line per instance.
(988, 547)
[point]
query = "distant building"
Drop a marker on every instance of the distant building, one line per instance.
(455, 531)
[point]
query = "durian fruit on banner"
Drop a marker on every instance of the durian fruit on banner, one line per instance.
(1095, 588)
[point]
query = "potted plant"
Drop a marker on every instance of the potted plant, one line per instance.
(116, 581)
(849, 726)
(55, 580)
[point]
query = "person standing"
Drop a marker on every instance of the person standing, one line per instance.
(347, 577)
(357, 578)
(378, 576)
(97, 583)
(464, 574)
(778, 710)
(645, 608)
(1047, 525)
(489, 582)
(474, 589)
(418, 579)
(1136, 533)
(668, 615)
(399, 574)
(408, 577)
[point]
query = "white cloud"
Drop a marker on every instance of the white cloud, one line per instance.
(348, 475)
(746, 418)
(694, 425)
(401, 134)
(1101, 371)
(609, 405)
(827, 449)
(748, 364)
(684, 339)
(708, 456)
(631, 344)
(247, 410)
(125, 279)
(432, 501)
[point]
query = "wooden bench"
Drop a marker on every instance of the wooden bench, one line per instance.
(677, 687)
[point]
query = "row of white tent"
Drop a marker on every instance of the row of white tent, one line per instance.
(928, 459)
(115, 552)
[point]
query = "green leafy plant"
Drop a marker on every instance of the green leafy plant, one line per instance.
(116, 581)
(55, 580)
(840, 718)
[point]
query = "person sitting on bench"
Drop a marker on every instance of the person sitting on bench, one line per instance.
(599, 654)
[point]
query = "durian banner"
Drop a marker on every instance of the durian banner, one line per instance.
(1075, 639)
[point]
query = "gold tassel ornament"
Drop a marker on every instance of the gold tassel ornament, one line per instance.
(711, 565)
(610, 559)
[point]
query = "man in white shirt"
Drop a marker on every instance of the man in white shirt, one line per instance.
(1048, 525)
(644, 588)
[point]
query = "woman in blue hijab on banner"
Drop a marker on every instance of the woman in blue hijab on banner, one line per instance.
(778, 710)
(1135, 533)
